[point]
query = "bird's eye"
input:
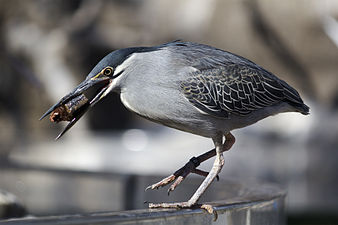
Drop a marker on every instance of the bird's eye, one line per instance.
(107, 71)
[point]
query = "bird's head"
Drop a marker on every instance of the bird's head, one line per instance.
(101, 79)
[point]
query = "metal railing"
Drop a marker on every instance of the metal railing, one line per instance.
(72, 196)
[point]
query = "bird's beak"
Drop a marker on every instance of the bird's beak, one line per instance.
(103, 85)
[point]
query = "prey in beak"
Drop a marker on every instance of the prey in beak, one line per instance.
(75, 104)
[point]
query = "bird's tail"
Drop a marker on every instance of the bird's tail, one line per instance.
(302, 108)
(294, 99)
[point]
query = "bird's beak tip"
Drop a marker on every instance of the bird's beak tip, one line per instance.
(58, 137)
(43, 116)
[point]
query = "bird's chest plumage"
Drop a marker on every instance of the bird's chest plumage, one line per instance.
(159, 105)
(170, 108)
(155, 92)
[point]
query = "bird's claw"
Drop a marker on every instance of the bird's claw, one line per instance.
(170, 205)
(179, 205)
(175, 184)
(180, 175)
(162, 183)
(210, 210)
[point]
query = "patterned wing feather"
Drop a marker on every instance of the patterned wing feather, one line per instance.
(235, 89)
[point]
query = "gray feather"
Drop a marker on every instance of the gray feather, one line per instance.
(226, 84)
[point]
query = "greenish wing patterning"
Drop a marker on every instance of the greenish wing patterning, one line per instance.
(234, 89)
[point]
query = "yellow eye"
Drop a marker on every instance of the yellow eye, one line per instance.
(107, 71)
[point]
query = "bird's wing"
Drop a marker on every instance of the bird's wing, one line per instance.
(234, 89)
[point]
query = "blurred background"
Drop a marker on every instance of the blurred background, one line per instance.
(47, 47)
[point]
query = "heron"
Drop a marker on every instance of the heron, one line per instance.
(191, 87)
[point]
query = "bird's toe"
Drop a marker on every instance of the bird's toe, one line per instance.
(162, 183)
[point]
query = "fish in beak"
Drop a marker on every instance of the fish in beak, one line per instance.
(75, 104)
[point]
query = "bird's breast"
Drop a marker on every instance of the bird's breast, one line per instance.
(169, 108)
(152, 102)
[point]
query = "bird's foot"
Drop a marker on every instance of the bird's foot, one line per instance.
(180, 175)
(179, 205)
(210, 210)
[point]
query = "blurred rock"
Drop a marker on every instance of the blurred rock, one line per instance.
(10, 207)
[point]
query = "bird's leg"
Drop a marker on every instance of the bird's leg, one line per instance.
(190, 167)
(217, 166)
(229, 142)
(183, 172)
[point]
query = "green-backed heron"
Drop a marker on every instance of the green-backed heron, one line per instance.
(194, 88)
